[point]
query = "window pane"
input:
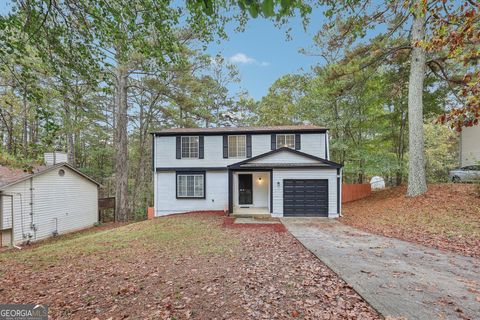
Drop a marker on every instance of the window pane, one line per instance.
(280, 140)
(199, 186)
(190, 147)
(232, 146)
(236, 146)
(185, 147)
(181, 186)
(190, 186)
(193, 147)
(241, 146)
(290, 140)
(285, 140)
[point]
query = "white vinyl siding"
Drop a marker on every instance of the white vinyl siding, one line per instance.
(280, 174)
(286, 140)
(190, 147)
(311, 143)
(216, 194)
(285, 157)
(190, 186)
(58, 203)
(237, 146)
(470, 146)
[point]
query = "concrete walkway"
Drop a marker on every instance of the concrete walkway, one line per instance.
(398, 278)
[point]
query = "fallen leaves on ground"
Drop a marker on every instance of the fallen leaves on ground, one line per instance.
(446, 217)
(182, 267)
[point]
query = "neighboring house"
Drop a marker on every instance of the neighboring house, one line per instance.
(470, 146)
(279, 171)
(51, 200)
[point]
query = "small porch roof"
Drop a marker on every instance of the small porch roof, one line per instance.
(310, 161)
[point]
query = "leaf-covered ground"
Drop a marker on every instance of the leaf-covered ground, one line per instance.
(446, 217)
(180, 267)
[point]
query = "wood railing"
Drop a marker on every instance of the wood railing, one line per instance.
(352, 192)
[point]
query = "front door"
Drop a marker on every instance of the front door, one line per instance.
(245, 190)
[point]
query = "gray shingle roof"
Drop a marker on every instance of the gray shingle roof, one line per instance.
(292, 128)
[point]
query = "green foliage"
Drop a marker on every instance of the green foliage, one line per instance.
(365, 111)
(441, 151)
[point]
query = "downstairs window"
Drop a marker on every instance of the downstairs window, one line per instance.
(191, 185)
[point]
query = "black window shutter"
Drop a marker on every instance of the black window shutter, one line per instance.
(200, 147)
(274, 141)
(225, 146)
(297, 141)
(249, 145)
(179, 147)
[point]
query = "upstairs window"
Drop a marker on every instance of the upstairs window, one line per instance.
(237, 146)
(190, 147)
(191, 185)
(286, 140)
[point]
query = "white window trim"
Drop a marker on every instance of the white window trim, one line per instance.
(186, 186)
(236, 147)
(189, 152)
(285, 134)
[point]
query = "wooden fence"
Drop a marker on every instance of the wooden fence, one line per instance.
(106, 209)
(352, 192)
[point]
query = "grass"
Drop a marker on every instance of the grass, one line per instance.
(175, 235)
(177, 267)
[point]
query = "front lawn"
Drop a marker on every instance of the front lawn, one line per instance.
(446, 217)
(179, 267)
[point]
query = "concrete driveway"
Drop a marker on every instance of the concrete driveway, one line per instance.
(398, 278)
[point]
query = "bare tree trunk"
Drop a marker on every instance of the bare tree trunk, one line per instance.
(121, 144)
(25, 124)
(401, 148)
(69, 133)
(417, 183)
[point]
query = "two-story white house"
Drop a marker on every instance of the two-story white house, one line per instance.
(281, 171)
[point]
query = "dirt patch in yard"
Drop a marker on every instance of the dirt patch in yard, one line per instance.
(181, 267)
(446, 217)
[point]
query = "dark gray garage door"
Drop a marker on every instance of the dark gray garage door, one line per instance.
(306, 197)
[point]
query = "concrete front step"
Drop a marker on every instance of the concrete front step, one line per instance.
(256, 221)
(251, 215)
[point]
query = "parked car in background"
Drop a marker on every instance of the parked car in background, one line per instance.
(465, 174)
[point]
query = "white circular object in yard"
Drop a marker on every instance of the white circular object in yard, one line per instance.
(377, 183)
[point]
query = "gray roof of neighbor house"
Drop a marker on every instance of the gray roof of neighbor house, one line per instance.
(221, 130)
(10, 176)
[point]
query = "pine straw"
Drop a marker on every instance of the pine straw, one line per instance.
(179, 267)
(446, 217)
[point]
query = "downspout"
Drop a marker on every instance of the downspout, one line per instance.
(154, 180)
(339, 192)
(1, 219)
(230, 191)
(327, 147)
(460, 154)
(32, 224)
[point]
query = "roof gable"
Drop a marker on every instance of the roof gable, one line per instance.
(10, 176)
(285, 157)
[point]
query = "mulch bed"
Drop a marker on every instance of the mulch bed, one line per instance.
(447, 217)
(207, 271)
